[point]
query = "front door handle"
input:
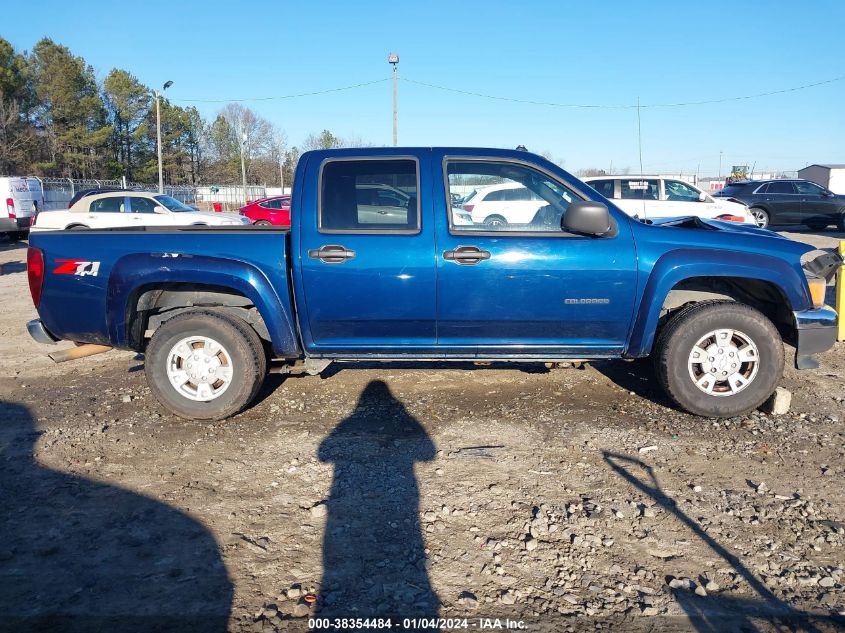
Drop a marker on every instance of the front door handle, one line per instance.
(331, 254)
(466, 255)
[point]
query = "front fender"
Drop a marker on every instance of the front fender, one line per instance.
(679, 265)
(135, 273)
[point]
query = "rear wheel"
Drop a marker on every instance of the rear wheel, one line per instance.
(205, 365)
(761, 217)
(495, 221)
(76, 227)
(263, 223)
(719, 359)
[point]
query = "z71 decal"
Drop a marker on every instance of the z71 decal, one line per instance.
(78, 267)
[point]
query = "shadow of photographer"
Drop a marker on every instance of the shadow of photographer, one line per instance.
(81, 555)
(374, 560)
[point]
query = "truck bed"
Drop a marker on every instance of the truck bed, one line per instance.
(91, 283)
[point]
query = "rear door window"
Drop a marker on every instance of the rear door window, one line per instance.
(780, 187)
(369, 196)
(639, 189)
(112, 204)
(604, 187)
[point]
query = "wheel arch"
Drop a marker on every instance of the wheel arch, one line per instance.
(680, 278)
(143, 290)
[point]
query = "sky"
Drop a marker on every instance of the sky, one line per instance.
(600, 53)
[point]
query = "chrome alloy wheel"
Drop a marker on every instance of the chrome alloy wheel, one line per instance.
(199, 368)
(723, 362)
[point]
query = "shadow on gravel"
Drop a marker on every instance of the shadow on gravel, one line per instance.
(80, 555)
(527, 368)
(374, 561)
(637, 376)
(715, 613)
(10, 268)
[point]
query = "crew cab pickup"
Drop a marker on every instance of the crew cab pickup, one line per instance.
(380, 264)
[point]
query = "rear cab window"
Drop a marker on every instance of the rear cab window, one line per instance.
(369, 195)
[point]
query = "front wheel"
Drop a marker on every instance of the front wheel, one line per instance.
(263, 223)
(719, 359)
(761, 217)
(204, 365)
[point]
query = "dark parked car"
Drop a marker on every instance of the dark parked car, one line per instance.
(784, 202)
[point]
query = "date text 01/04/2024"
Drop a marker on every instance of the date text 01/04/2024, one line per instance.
(415, 624)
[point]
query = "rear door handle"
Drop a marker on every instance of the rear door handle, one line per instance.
(331, 254)
(466, 255)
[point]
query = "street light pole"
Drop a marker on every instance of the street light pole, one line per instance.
(393, 59)
(166, 85)
(243, 165)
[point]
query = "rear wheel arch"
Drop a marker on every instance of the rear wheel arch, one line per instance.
(151, 306)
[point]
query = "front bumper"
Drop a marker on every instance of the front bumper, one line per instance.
(40, 333)
(816, 333)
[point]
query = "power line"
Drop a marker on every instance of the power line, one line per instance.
(622, 106)
(292, 96)
(604, 106)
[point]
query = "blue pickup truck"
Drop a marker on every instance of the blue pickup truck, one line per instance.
(384, 262)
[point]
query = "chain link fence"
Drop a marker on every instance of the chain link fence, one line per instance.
(58, 192)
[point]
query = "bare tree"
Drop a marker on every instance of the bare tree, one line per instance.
(14, 135)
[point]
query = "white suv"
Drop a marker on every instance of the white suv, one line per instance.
(503, 204)
(656, 197)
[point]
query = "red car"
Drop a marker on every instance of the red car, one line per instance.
(266, 211)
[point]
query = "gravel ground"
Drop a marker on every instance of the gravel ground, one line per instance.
(569, 499)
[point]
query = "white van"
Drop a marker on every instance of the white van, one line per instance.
(20, 201)
(656, 197)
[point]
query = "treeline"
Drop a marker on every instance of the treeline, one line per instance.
(57, 119)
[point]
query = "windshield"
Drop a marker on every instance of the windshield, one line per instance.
(173, 204)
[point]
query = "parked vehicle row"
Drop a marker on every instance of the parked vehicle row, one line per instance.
(378, 265)
(789, 202)
(655, 197)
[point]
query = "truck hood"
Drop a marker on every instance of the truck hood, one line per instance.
(820, 263)
(695, 222)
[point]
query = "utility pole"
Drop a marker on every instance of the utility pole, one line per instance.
(158, 94)
(720, 165)
(393, 59)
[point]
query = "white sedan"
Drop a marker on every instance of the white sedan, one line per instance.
(120, 209)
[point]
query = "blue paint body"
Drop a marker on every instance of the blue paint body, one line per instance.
(399, 297)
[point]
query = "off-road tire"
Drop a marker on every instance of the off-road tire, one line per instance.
(677, 339)
(249, 363)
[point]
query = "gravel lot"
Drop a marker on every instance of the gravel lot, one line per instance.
(566, 498)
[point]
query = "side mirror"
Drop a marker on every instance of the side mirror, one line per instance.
(702, 197)
(827, 193)
(161, 209)
(586, 217)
